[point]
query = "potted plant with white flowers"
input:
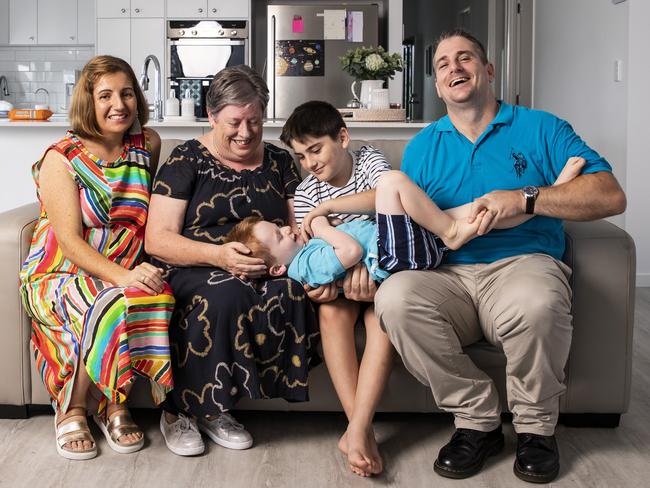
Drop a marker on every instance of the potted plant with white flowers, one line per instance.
(371, 66)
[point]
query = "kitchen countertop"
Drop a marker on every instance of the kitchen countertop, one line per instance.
(278, 123)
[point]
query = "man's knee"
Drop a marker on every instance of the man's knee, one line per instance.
(391, 300)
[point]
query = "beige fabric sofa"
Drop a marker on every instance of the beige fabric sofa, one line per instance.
(598, 371)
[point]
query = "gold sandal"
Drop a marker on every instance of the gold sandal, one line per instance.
(121, 424)
(72, 431)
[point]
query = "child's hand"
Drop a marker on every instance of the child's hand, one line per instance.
(306, 230)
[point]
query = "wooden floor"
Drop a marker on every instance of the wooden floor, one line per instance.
(298, 449)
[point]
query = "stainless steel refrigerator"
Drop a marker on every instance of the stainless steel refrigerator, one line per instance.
(304, 44)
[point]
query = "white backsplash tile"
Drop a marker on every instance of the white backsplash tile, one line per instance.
(28, 68)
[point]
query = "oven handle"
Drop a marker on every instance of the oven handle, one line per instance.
(207, 42)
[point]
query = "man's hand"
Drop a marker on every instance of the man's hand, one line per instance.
(322, 294)
(498, 205)
(358, 285)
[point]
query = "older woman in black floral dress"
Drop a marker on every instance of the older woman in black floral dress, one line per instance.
(234, 333)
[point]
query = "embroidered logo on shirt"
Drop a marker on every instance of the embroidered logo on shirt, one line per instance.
(519, 162)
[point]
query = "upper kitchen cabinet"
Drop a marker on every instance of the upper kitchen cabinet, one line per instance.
(4, 21)
(22, 21)
(226, 9)
(223, 9)
(113, 9)
(57, 22)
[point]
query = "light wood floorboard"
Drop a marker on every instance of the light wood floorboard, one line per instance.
(298, 449)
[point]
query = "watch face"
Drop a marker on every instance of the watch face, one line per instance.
(530, 191)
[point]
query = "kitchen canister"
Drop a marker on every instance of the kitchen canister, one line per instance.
(378, 99)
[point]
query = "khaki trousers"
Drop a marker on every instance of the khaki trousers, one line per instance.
(521, 305)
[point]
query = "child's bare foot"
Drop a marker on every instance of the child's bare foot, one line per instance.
(462, 231)
(571, 169)
(363, 454)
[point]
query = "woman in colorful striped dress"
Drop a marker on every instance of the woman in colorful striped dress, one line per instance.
(100, 314)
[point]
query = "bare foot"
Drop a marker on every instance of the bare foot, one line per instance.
(127, 439)
(462, 231)
(78, 414)
(363, 453)
(571, 169)
(343, 443)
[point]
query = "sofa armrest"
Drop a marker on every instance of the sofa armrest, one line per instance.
(16, 228)
(599, 369)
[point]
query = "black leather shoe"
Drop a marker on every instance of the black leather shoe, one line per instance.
(467, 451)
(538, 459)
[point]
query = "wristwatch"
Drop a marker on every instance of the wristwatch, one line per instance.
(530, 194)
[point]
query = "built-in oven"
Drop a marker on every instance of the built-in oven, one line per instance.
(197, 50)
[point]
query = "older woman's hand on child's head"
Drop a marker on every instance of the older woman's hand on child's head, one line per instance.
(233, 258)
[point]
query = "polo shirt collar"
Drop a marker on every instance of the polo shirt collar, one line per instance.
(504, 116)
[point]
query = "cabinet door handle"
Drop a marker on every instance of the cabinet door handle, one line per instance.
(123, 10)
(31, 38)
(137, 10)
(214, 10)
(72, 38)
(200, 10)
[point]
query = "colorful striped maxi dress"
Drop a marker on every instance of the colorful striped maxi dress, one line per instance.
(117, 331)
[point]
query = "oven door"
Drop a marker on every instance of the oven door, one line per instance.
(201, 58)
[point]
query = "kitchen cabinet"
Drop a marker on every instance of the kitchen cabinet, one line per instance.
(147, 8)
(133, 40)
(207, 8)
(114, 38)
(22, 21)
(117, 9)
(86, 22)
(57, 22)
(227, 9)
(107, 9)
(4, 21)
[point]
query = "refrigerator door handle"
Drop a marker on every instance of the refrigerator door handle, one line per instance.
(271, 65)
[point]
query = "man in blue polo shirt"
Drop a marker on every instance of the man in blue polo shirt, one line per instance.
(507, 286)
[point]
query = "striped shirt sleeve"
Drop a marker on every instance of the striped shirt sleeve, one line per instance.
(373, 164)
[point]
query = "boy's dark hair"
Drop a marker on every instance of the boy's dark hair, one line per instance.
(312, 119)
(243, 232)
(462, 33)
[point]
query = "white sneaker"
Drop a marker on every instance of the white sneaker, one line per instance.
(182, 437)
(226, 431)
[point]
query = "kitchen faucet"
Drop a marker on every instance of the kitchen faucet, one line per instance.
(4, 86)
(144, 82)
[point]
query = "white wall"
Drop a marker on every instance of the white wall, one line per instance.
(575, 45)
(638, 122)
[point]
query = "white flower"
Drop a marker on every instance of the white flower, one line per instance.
(374, 62)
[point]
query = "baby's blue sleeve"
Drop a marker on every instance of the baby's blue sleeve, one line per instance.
(316, 264)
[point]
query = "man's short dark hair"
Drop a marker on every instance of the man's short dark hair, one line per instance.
(312, 119)
(462, 33)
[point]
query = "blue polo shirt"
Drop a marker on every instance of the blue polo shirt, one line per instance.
(519, 147)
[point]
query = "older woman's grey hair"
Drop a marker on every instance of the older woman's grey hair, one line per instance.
(236, 85)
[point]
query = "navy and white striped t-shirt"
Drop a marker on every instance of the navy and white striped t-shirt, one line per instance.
(368, 165)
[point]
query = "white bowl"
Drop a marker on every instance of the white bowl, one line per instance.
(5, 105)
